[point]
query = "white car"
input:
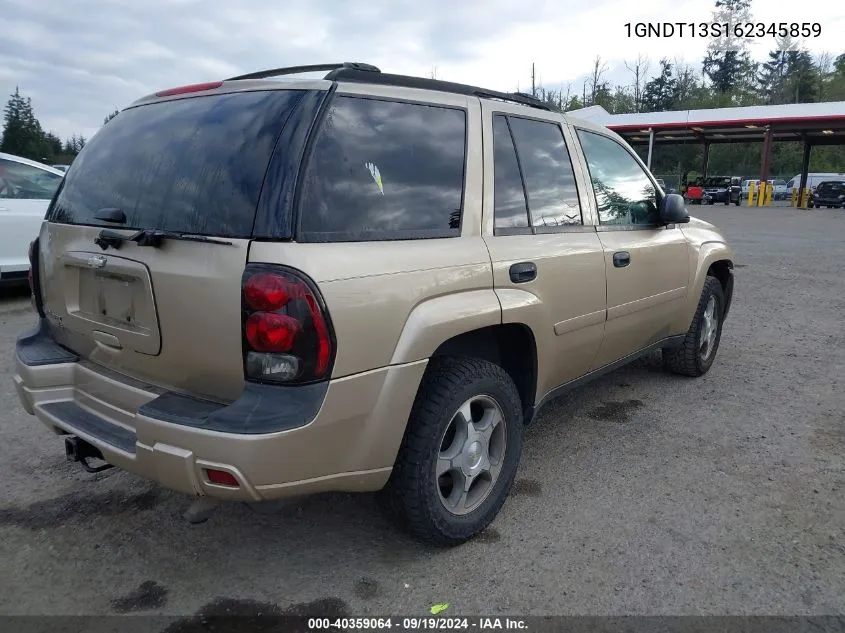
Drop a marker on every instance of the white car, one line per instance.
(780, 189)
(26, 188)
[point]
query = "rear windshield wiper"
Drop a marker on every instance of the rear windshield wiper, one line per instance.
(150, 237)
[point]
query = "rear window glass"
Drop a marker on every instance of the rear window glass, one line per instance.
(192, 165)
(384, 170)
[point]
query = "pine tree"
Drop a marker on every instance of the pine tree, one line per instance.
(111, 116)
(22, 134)
(728, 62)
(801, 85)
(660, 92)
(772, 78)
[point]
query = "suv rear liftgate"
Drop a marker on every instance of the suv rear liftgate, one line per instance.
(140, 272)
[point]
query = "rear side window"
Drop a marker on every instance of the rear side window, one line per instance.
(384, 170)
(192, 165)
(510, 211)
(547, 170)
(24, 182)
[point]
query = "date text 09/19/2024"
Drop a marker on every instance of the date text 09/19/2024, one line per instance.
(422, 623)
(722, 29)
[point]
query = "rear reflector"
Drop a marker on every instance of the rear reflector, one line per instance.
(221, 478)
(210, 85)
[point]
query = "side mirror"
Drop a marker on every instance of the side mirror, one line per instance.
(673, 210)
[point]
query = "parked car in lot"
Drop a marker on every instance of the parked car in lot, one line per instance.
(780, 190)
(723, 189)
(813, 179)
(26, 187)
(828, 193)
(370, 282)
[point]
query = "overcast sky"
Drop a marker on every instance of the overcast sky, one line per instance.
(81, 59)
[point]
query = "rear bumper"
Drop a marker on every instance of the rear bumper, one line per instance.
(827, 201)
(339, 436)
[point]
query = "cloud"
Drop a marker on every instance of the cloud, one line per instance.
(78, 61)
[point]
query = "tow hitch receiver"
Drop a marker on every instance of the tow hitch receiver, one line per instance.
(78, 450)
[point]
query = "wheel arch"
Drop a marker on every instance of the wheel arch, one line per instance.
(710, 258)
(723, 270)
(511, 346)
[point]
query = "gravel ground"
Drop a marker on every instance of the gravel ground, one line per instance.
(641, 493)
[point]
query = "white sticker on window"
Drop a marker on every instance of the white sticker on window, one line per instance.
(376, 174)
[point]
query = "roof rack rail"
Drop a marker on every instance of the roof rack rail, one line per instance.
(351, 74)
(516, 97)
(293, 70)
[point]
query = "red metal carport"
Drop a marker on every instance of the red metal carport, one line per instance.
(811, 123)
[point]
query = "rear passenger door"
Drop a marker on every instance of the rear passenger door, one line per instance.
(548, 264)
(647, 262)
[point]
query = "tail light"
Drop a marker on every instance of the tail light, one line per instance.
(287, 334)
(35, 277)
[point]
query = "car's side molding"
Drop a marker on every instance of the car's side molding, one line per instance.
(441, 318)
(671, 341)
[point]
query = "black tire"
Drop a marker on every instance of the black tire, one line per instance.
(412, 496)
(809, 205)
(689, 359)
(737, 201)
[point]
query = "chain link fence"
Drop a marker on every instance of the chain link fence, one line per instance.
(671, 182)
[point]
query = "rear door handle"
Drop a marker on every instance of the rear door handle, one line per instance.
(523, 272)
(621, 259)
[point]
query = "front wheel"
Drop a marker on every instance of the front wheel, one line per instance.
(460, 452)
(695, 356)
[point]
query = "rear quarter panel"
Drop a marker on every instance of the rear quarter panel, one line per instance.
(395, 301)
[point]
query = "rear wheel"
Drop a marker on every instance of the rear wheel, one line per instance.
(460, 452)
(695, 357)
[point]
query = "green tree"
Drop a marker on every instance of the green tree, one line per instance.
(728, 62)
(22, 134)
(772, 78)
(801, 85)
(661, 92)
(111, 116)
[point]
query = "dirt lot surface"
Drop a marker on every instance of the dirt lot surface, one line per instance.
(640, 493)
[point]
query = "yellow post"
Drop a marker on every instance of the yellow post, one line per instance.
(761, 194)
(793, 201)
(805, 196)
(752, 192)
(770, 189)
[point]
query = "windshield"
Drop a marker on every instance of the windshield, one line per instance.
(831, 186)
(191, 165)
(718, 182)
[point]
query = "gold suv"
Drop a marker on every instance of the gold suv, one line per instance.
(274, 285)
